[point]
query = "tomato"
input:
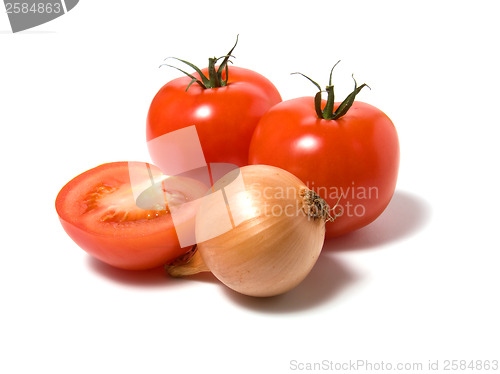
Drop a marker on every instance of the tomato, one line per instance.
(225, 115)
(351, 161)
(99, 210)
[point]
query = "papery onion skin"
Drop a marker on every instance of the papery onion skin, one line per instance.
(275, 245)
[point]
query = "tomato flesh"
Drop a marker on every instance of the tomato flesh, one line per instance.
(99, 211)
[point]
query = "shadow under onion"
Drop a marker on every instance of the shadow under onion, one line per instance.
(328, 279)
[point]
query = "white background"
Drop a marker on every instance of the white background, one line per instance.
(420, 284)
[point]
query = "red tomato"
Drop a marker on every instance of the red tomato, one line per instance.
(351, 162)
(98, 210)
(225, 117)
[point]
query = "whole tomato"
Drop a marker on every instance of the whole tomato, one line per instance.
(347, 152)
(223, 103)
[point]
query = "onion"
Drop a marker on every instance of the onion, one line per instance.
(259, 231)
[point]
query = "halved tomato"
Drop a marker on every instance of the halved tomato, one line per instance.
(119, 213)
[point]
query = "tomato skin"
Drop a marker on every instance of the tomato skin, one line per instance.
(225, 117)
(354, 158)
(134, 253)
(136, 244)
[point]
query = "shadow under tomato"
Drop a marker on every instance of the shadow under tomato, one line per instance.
(406, 215)
(328, 279)
(142, 278)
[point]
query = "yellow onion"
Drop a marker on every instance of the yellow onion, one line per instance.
(259, 231)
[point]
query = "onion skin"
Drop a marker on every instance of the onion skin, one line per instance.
(267, 253)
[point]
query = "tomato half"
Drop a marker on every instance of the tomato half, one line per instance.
(225, 117)
(99, 210)
(352, 162)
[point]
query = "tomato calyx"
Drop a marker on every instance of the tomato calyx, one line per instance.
(214, 79)
(328, 111)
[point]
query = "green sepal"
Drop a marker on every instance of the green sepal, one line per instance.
(193, 78)
(204, 80)
(224, 66)
(214, 79)
(317, 104)
(331, 73)
(327, 112)
(305, 76)
(349, 100)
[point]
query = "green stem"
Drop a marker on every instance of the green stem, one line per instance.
(327, 112)
(212, 74)
(214, 79)
(330, 102)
